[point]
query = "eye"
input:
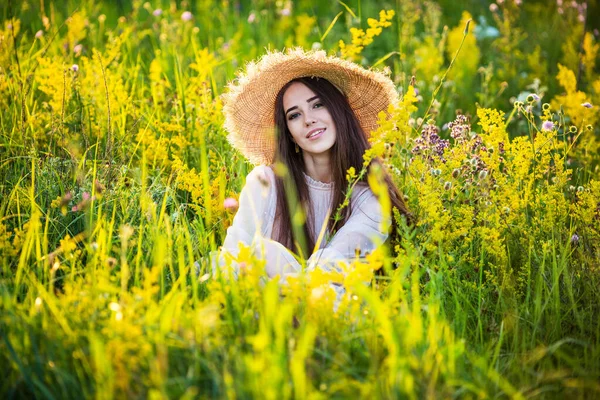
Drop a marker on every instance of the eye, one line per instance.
(318, 104)
(292, 116)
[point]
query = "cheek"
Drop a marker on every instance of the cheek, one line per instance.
(294, 129)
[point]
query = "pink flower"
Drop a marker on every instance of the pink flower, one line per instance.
(230, 204)
(157, 12)
(518, 2)
(39, 34)
(493, 7)
(251, 18)
(286, 12)
(77, 49)
(186, 16)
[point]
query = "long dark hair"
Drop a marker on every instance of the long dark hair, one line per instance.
(347, 151)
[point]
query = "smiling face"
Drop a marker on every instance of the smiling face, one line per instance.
(308, 120)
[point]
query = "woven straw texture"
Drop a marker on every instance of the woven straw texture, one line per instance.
(249, 103)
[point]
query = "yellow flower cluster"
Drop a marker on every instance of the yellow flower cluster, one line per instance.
(573, 100)
(76, 28)
(392, 126)
(589, 55)
(428, 60)
(304, 26)
(360, 38)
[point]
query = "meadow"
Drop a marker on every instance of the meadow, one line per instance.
(115, 170)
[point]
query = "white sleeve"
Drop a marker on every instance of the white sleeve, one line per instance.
(364, 231)
(252, 212)
(249, 225)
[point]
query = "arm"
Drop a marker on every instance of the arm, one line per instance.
(363, 232)
(252, 213)
(253, 221)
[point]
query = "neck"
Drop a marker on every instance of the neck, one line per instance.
(318, 167)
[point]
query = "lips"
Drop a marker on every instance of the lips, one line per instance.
(313, 134)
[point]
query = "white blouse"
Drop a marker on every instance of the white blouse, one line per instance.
(253, 225)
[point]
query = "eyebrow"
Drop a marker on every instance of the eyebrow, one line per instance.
(295, 107)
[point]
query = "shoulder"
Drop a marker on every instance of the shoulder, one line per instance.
(361, 193)
(261, 175)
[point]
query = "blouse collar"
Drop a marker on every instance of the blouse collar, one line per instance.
(313, 183)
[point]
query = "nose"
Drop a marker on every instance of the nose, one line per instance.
(309, 120)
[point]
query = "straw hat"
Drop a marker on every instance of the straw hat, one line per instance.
(249, 103)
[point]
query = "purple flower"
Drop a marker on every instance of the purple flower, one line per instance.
(429, 143)
(157, 12)
(460, 129)
(547, 126)
(187, 16)
(586, 105)
(574, 239)
(75, 68)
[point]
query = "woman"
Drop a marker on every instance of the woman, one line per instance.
(306, 116)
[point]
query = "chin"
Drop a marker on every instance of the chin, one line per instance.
(321, 149)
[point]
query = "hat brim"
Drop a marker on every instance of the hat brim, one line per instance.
(250, 102)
